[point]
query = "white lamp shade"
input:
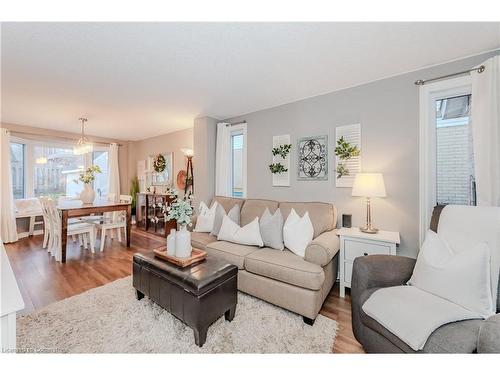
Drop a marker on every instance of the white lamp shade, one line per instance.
(368, 185)
(187, 151)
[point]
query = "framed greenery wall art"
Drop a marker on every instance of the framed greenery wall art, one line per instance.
(280, 167)
(312, 157)
(347, 154)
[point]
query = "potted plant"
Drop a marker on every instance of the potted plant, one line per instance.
(181, 211)
(134, 190)
(87, 195)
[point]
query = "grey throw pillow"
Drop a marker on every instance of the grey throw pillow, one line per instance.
(271, 229)
(234, 215)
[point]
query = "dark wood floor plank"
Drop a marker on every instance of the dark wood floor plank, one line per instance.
(42, 280)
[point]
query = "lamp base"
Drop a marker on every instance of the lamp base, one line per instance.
(370, 230)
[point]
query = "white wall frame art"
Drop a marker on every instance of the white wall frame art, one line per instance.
(163, 177)
(312, 158)
(347, 154)
(282, 178)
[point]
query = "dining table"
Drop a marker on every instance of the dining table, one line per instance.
(75, 208)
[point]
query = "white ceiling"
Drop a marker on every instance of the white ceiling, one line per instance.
(136, 80)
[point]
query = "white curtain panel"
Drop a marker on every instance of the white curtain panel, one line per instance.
(485, 124)
(223, 160)
(7, 213)
(114, 171)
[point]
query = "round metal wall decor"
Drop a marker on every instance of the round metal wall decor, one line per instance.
(313, 158)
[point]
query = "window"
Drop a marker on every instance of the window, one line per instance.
(55, 171)
(237, 165)
(454, 158)
(100, 158)
(17, 167)
(52, 169)
(445, 154)
(238, 161)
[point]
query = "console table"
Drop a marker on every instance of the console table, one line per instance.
(149, 213)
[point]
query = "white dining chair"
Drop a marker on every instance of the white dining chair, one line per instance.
(46, 222)
(86, 230)
(115, 222)
(47, 227)
(96, 219)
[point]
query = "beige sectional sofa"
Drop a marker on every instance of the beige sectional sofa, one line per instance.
(281, 277)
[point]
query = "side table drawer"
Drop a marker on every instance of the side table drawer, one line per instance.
(357, 248)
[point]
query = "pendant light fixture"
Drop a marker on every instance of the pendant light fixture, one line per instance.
(83, 146)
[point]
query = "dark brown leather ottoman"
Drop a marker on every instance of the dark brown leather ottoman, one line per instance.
(198, 294)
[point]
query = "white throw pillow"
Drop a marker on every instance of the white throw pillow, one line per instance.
(247, 235)
(298, 232)
(220, 212)
(206, 217)
(463, 278)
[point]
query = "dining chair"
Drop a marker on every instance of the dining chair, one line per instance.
(96, 219)
(114, 222)
(47, 233)
(46, 222)
(86, 230)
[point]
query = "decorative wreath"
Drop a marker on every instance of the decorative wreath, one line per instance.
(159, 163)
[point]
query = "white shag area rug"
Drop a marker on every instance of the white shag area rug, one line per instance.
(109, 319)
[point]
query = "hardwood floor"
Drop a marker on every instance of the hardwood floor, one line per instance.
(42, 280)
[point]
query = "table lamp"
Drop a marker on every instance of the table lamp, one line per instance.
(369, 185)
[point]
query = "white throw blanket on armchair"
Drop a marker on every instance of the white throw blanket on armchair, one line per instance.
(413, 314)
(455, 278)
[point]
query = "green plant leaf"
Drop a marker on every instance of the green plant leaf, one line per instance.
(277, 168)
(345, 150)
(282, 150)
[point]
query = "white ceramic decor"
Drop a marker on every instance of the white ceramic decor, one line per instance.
(171, 242)
(87, 195)
(183, 243)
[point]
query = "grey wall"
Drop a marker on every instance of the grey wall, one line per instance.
(388, 111)
(205, 133)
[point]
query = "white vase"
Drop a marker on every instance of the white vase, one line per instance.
(88, 194)
(171, 243)
(183, 243)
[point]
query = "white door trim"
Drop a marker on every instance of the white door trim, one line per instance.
(427, 144)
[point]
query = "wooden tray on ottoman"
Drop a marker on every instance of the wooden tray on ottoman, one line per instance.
(197, 255)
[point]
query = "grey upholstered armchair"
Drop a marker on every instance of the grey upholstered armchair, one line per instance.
(381, 271)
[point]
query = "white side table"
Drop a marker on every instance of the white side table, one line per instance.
(354, 243)
(11, 302)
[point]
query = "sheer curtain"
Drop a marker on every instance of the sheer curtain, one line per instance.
(113, 172)
(223, 160)
(7, 214)
(485, 123)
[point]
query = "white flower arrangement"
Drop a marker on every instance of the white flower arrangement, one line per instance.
(88, 176)
(180, 209)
